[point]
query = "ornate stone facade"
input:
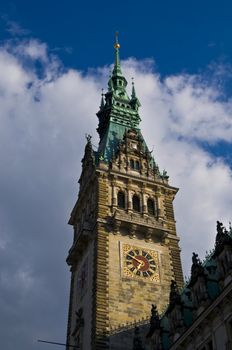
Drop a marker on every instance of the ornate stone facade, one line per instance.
(125, 250)
(200, 316)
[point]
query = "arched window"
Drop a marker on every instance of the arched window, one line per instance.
(132, 164)
(150, 206)
(121, 199)
(137, 167)
(136, 203)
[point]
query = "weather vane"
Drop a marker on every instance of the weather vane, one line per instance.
(116, 45)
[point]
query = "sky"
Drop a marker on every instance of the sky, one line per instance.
(55, 58)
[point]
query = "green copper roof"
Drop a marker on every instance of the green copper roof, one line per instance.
(117, 111)
(112, 139)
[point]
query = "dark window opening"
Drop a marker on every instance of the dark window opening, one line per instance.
(137, 167)
(136, 203)
(121, 200)
(132, 164)
(150, 207)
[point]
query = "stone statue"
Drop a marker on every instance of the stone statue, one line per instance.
(154, 320)
(195, 259)
(219, 228)
(88, 137)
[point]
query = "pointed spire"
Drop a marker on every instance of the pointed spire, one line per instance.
(117, 68)
(117, 82)
(116, 100)
(134, 100)
(133, 94)
(102, 100)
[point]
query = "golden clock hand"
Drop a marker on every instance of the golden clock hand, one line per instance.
(141, 263)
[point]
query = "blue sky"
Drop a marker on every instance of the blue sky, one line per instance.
(54, 59)
(180, 35)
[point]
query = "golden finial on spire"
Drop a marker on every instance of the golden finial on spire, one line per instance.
(116, 45)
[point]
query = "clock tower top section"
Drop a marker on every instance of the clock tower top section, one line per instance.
(118, 112)
(119, 119)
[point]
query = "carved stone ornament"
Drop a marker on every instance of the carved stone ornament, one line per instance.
(174, 296)
(196, 270)
(154, 321)
(222, 239)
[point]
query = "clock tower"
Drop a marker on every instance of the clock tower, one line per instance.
(125, 248)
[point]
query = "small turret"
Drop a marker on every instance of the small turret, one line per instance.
(135, 104)
(102, 101)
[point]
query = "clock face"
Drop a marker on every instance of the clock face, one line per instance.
(140, 263)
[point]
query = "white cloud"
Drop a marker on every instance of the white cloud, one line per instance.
(13, 77)
(197, 110)
(43, 123)
(34, 49)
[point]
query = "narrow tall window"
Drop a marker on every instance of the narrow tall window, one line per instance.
(137, 167)
(136, 203)
(150, 206)
(121, 199)
(132, 164)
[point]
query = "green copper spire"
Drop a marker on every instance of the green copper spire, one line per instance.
(118, 112)
(117, 68)
(117, 81)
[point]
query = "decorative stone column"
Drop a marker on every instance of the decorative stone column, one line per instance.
(114, 194)
(129, 196)
(144, 204)
(160, 209)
